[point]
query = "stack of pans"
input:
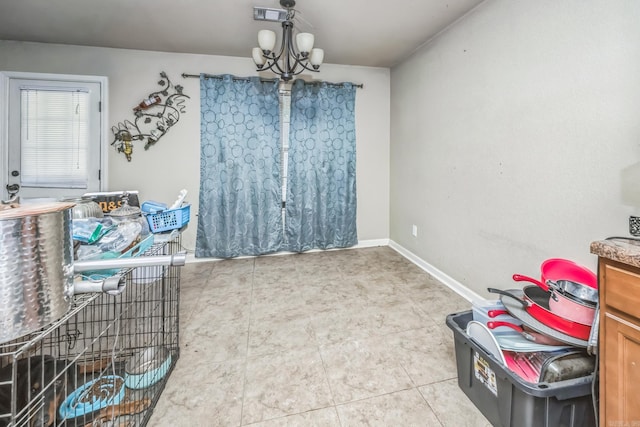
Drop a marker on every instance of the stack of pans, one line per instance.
(561, 306)
(559, 310)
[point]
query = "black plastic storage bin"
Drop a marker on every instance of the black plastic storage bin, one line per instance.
(507, 400)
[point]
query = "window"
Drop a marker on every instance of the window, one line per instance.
(54, 146)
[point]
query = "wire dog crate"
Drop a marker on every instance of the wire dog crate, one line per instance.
(105, 362)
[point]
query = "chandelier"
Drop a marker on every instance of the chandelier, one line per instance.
(289, 60)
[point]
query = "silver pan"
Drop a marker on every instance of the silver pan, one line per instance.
(516, 309)
(575, 291)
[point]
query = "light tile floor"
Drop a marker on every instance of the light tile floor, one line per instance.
(340, 338)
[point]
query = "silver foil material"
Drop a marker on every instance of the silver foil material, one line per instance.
(36, 272)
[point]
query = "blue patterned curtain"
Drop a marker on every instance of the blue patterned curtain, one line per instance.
(240, 189)
(321, 195)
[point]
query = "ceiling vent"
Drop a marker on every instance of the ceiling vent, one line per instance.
(267, 14)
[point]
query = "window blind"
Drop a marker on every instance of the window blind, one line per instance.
(54, 137)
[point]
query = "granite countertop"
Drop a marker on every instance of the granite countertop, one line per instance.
(621, 249)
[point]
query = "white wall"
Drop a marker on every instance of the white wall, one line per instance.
(173, 162)
(509, 135)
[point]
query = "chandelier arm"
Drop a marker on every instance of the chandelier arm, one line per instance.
(282, 46)
(292, 71)
(274, 58)
(270, 65)
(295, 70)
(305, 66)
(302, 69)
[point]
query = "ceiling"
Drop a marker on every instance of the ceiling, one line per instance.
(353, 32)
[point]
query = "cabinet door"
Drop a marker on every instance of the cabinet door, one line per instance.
(621, 366)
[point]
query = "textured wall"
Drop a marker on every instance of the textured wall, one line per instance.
(509, 135)
(173, 162)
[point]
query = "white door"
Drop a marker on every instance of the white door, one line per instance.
(54, 138)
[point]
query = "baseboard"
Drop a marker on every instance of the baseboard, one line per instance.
(442, 277)
(445, 279)
(371, 243)
(191, 257)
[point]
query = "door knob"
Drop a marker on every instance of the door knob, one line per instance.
(12, 189)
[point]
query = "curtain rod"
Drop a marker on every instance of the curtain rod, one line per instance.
(210, 76)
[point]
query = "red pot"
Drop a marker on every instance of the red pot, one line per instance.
(571, 309)
(562, 305)
(556, 269)
(536, 303)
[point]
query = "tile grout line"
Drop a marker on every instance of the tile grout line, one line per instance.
(435, 414)
(246, 354)
(326, 375)
(377, 291)
(364, 399)
(333, 400)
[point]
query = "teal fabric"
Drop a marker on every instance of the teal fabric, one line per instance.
(240, 179)
(321, 195)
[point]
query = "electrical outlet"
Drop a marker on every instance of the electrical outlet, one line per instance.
(414, 230)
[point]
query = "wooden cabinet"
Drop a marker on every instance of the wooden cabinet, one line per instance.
(619, 346)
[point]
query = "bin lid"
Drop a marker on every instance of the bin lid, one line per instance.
(481, 334)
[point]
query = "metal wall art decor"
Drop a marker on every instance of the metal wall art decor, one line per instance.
(154, 116)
